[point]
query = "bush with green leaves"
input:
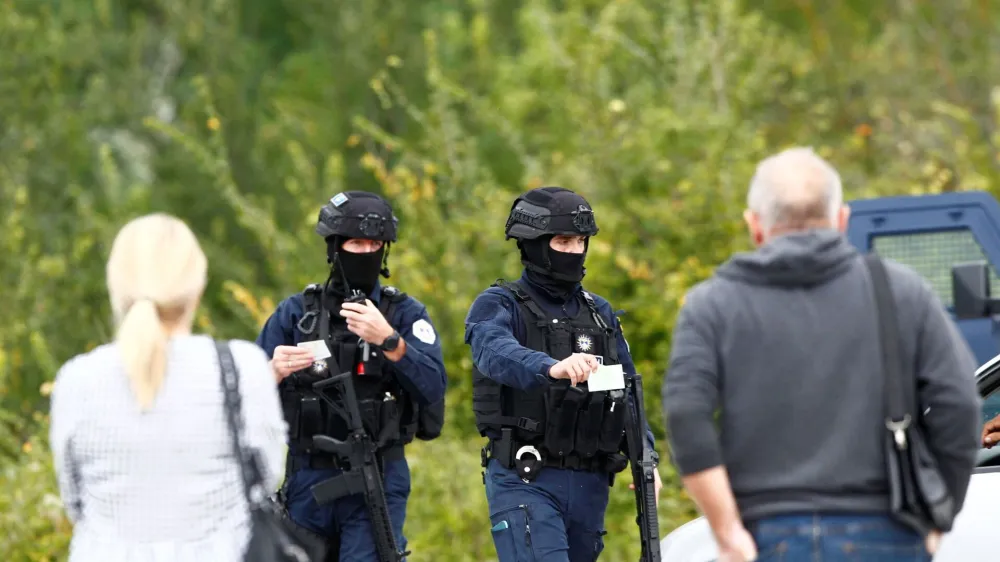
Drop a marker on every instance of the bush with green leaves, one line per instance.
(242, 117)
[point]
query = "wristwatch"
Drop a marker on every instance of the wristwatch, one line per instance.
(391, 342)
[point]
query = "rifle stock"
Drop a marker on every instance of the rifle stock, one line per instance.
(363, 475)
(642, 465)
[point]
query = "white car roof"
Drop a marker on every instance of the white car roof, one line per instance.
(988, 366)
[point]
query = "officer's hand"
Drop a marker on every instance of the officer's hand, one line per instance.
(577, 368)
(657, 485)
(287, 359)
(991, 432)
(366, 322)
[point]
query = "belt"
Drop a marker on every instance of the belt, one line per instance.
(300, 460)
(497, 449)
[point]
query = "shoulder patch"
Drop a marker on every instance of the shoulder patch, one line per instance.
(424, 332)
(394, 294)
(338, 199)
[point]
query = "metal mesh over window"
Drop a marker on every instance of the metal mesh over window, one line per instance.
(932, 254)
(991, 407)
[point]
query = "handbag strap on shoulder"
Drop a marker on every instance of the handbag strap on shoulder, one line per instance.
(249, 469)
(898, 415)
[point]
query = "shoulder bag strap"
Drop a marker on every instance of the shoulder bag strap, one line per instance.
(898, 415)
(249, 470)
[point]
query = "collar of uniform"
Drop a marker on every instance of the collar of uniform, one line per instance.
(376, 293)
(538, 294)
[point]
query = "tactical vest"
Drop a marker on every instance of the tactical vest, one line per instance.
(560, 421)
(388, 412)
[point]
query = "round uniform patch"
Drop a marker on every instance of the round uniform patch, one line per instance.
(584, 343)
(424, 332)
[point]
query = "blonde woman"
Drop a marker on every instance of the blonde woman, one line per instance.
(142, 452)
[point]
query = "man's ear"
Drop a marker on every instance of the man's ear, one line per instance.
(843, 217)
(753, 226)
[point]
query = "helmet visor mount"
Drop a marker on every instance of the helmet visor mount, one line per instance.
(583, 220)
(528, 221)
(370, 226)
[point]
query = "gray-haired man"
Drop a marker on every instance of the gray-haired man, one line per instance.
(785, 340)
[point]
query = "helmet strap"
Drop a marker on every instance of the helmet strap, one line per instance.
(385, 261)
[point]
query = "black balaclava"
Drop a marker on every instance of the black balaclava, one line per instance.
(350, 271)
(556, 273)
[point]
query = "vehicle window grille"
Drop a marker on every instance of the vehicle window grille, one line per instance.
(932, 254)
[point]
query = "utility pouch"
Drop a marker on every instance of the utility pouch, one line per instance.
(613, 424)
(290, 406)
(348, 353)
(373, 367)
(564, 405)
(486, 402)
(588, 425)
(503, 448)
(616, 463)
(310, 418)
(370, 415)
(389, 420)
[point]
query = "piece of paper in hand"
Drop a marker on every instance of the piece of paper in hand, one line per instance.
(606, 377)
(318, 349)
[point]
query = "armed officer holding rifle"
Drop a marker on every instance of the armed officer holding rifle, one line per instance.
(381, 335)
(554, 447)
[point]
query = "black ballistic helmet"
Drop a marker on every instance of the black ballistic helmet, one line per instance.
(357, 214)
(550, 211)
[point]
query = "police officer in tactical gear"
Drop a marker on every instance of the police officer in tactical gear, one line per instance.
(383, 336)
(554, 448)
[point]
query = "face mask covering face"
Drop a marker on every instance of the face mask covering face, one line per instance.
(559, 274)
(360, 271)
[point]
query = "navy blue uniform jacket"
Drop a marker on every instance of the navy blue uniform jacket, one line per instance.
(495, 332)
(421, 369)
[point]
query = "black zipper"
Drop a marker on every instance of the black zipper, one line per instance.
(527, 526)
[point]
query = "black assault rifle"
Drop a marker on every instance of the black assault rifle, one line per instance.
(642, 465)
(363, 476)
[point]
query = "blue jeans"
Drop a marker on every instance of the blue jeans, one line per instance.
(558, 517)
(836, 538)
(348, 516)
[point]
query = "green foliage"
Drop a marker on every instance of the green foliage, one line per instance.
(244, 117)
(35, 528)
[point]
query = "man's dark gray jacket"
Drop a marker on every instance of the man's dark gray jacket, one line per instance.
(783, 342)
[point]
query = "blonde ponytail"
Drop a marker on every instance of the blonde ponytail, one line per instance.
(142, 342)
(156, 274)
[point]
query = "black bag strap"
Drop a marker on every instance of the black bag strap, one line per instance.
(898, 415)
(253, 481)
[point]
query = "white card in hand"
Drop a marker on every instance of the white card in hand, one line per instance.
(606, 377)
(318, 349)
